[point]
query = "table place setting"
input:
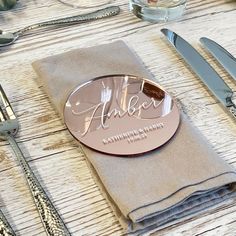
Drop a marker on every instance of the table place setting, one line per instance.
(156, 172)
(159, 195)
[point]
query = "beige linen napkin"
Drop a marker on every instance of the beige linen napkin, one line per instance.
(162, 187)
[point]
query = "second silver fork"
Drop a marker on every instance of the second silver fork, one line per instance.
(52, 222)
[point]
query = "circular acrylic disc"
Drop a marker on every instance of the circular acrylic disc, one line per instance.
(121, 115)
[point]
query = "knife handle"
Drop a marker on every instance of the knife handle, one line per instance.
(232, 110)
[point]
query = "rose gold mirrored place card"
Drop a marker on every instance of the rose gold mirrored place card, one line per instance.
(121, 115)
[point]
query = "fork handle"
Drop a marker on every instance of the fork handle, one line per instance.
(5, 228)
(99, 14)
(50, 218)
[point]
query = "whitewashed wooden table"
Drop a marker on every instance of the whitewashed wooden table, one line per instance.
(49, 148)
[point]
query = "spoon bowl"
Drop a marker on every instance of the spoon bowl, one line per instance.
(7, 38)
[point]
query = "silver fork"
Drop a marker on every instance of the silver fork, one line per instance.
(52, 222)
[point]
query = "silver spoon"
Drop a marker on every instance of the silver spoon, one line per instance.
(7, 38)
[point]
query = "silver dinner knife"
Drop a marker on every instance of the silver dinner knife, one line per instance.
(227, 60)
(203, 69)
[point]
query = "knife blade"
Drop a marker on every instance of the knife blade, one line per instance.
(227, 60)
(203, 69)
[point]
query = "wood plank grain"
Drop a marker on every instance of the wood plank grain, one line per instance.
(50, 149)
